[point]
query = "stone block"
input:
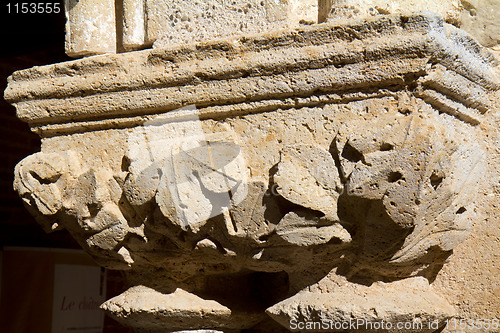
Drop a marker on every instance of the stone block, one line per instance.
(90, 27)
(345, 9)
(380, 307)
(177, 22)
(478, 17)
(133, 24)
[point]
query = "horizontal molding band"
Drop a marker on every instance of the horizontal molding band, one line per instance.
(380, 52)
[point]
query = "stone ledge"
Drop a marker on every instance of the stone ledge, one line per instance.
(386, 52)
(348, 154)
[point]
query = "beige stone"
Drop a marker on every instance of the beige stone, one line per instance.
(93, 29)
(426, 200)
(307, 176)
(341, 9)
(478, 17)
(147, 308)
(90, 27)
(175, 22)
(377, 308)
(332, 167)
(133, 24)
(306, 230)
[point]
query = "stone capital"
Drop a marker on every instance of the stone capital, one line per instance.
(251, 174)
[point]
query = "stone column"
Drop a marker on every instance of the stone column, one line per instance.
(316, 175)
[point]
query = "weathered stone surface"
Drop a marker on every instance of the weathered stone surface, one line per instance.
(377, 308)
(175, 22)
(307, 176)
(90, 27)
(477, 17)
(96, 27)
(147, 308)
(334, 62)
(307, 230)
(335, 9)
(93, 29)
(422, 175)
(247, 170)
(480, 19)
(133, 24)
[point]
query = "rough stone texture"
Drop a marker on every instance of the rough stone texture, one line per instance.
(341, 9)
(307, 176)
(478, 17)
(262, 69)
(133, 24)
(332, 168)
(405, 301)
(93, 29)
(171, 23)
(424, 199)
(147, 308)
(90, 27)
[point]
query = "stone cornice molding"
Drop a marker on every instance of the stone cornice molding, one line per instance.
(324, 172)
(258, 73)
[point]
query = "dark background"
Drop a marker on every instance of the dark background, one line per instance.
(27, 40)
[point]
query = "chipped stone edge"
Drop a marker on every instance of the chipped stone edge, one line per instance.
(389, 52)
